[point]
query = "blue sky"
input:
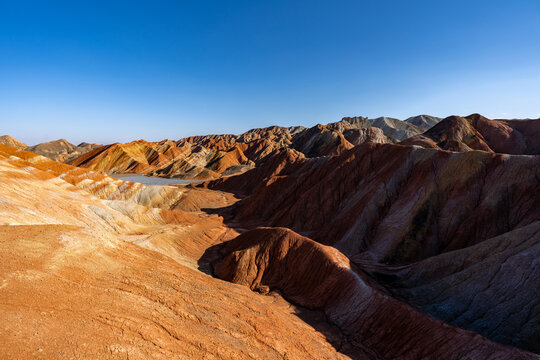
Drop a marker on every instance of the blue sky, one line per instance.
(105, 71)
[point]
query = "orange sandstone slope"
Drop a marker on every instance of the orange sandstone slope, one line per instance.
(171, 159)
(77, 281)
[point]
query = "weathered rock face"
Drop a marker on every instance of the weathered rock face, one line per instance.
(509, 136)
(218, 142)
(393, 203)
(276, 134)
(389, 206)
(367, 135)
(423, 122)
(321, 141)
(453, 133)
(490, 288)
(319, 277)
(476, 132)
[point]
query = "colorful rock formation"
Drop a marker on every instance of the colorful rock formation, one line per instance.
(213, 156)
(335, 242)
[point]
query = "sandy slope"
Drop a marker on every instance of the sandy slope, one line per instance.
(72, 287)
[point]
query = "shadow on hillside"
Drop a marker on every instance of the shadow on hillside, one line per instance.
(333, 334)
(315, 318)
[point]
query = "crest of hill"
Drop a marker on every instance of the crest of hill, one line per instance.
(9, 141)
(476, 132)
(61, 150)
(57, 146)
(214, 156)
(394, 129)
(424, 122)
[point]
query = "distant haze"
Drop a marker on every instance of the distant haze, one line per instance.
(118, 71)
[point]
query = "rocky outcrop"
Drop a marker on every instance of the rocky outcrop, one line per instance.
(321, 141)
(453, 133)
(394, 129)
(367, 135)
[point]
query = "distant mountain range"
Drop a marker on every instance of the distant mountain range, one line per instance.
(213, 156)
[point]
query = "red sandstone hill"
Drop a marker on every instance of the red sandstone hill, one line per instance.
(321, 141)
(382, 200)
(184, 159)
(319, 277)
(476, 132)
(393, 205)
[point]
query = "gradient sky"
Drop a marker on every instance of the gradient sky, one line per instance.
(106, 71)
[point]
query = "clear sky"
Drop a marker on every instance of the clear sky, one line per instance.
(105, 71)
